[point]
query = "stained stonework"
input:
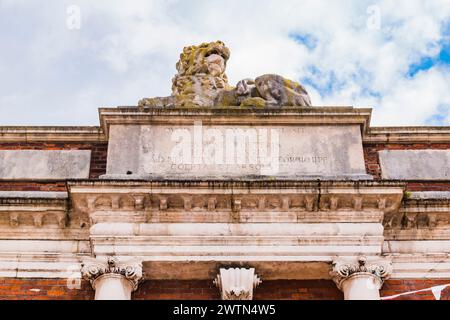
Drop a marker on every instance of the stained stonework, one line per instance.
(415, 164)
(46, 165)
(301, 152)
(201, 82)
(128, 218)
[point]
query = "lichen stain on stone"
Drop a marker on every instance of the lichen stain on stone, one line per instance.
(201, 82)
(253, 102)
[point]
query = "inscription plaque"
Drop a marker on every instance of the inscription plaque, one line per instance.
(202, 151)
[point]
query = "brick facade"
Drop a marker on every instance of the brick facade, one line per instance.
(42, 289)
(33, 186)
(56, 289)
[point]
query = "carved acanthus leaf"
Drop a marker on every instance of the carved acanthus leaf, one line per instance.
(237, 283)
(344, 269)
(92, 269)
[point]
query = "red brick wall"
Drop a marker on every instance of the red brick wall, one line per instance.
(298, 290)
(393, 287)
(268, 290)
(56, 289)
(42, 289)
(170, 290)
(32, 186)
(427, 186)
(98, 160)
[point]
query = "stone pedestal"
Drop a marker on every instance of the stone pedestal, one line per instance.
(112, 280)
(360, 279)
(222, 144)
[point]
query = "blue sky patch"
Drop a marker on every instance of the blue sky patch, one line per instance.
(307, 40)
(439, 118)
(443, 58)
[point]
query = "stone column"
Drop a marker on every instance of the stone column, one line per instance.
(359, 278)
(112, 280)
(237, 284)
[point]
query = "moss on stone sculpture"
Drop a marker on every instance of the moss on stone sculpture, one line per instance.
(201, 82)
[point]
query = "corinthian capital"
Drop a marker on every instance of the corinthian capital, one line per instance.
(378, 268)
(92, 269)
(237, 284)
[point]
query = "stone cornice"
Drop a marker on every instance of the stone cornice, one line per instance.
(344, 269)
(231, 116)
(51, 134)
(419, 219)
(233, 201)
(33, 195)
(257, 220)
(25, 210)
(236, 116)
(407, 135)
(102, 184)
(419, 265)
(93, 269)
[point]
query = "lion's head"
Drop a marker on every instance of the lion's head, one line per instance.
(201, 74)
(207, 58)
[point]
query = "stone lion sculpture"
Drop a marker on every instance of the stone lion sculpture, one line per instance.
(201, 82)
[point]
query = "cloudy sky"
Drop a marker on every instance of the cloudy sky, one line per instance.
(61, 60)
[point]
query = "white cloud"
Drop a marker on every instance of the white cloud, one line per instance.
(125, 51)
(415, 100)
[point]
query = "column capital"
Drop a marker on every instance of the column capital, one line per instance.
(237, 283)
(92, 269)
(345, 268)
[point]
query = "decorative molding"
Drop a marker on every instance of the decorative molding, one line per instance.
(92, 269)
(419, 215)
(212, 202)
(337, 115)
(407, 135)
(357, 203)
(162, 203)
(237, 283)
(344, 269)
(204, 201)
(51, 134)
(37, 209)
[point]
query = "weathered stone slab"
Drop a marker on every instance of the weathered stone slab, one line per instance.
(44, 164)
(308, 152)
(440, 195)
(415, 164)
(34, 194)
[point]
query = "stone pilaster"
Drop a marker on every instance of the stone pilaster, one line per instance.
(360, 278)
(237, 283)
(112, 280)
